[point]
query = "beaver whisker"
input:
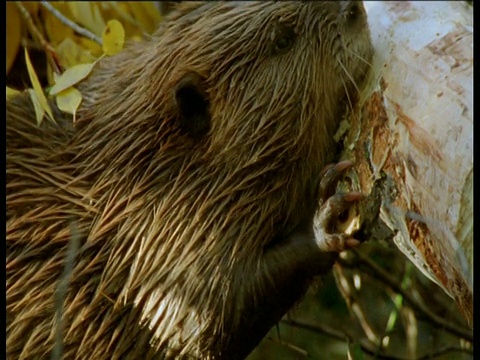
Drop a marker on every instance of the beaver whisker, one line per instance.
(350, 77)
(346, 88)
(361, 58)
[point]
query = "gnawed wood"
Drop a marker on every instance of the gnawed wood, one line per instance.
(412, 137)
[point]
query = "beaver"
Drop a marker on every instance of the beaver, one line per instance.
(188, 185)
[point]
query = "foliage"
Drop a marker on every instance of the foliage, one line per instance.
(71, 36)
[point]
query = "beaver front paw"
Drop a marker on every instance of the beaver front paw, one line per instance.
(334, 209)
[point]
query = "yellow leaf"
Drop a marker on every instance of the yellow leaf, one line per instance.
(55, 29)
(14, 32)
(87, 14)
(90, 45)
(146, 14)
(71, 77)
(42, 100)
(137, 17)
(113, 37)
(12, 92)
(119, 10)
(31, 6)
(69, 100)
(70, 53)
(39, 110)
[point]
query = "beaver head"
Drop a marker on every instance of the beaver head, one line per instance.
(195, 154)
(251, 91)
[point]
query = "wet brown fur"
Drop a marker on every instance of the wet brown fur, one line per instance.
(190, 225)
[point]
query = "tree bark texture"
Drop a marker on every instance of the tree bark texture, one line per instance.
(411, 137)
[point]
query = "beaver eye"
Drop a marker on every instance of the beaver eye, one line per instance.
(353, 12)
(283, 43)
(283, 40)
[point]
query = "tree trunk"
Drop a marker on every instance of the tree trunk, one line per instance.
(412, 139)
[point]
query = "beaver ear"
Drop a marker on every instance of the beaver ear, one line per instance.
(192, 105)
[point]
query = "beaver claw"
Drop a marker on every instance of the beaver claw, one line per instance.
(332, 207)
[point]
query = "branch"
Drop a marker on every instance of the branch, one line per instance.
(49, 50)
(61, 292)
(368, 348)
(349, 294)
(71, 24)
(296, 349)
(342, 336)
(418, 306)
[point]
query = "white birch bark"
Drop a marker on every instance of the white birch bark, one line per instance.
(412, 136)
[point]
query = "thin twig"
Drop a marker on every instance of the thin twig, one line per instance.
(418, 306)
(366, 347)
(61, 292)
(340, 335)
(296, 349)
(49, 50)
(318, 328)
(349, 294)
(71, 24)
(443, 351)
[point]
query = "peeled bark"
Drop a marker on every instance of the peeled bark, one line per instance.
(412, 139)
